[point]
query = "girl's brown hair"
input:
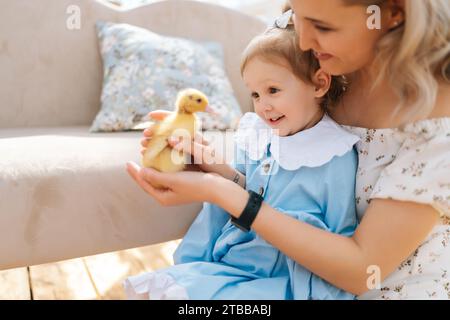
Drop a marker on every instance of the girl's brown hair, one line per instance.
(281, 46)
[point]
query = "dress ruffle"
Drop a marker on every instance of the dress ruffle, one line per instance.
(154, 286)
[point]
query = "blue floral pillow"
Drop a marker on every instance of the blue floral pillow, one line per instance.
(143, 71)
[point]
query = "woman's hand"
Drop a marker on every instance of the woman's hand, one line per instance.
(204, 156)
(179, 188)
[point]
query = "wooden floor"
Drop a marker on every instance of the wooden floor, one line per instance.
(96, 277)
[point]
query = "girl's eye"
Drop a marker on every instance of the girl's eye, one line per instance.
(273, 90)
(255, 95)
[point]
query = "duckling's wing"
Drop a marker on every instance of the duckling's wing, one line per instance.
(155, 146)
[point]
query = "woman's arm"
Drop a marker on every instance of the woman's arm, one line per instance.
(388, 234)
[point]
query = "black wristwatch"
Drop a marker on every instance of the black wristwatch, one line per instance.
(245, 220)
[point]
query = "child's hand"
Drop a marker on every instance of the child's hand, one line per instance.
(203, 155)
(207, 159)
(177, 188)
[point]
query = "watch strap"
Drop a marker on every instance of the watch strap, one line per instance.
(245, 220)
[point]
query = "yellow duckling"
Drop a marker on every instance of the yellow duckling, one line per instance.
(159, 154)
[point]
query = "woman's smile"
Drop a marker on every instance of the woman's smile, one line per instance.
(322, 56)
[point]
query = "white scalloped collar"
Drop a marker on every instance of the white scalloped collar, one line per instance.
(312, 147)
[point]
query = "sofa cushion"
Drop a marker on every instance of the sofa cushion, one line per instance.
(65, 193)
(144, 71)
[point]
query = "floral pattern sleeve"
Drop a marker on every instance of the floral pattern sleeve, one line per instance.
(421, 169)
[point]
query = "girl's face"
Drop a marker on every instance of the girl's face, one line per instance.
(283, 101)
(337, 33)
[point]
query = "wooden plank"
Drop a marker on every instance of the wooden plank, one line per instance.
(109, 270)
(157, 256)
(95, 277)
(64, 280)
(14, 284)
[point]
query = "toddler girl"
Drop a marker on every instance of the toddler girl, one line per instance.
(292, 154)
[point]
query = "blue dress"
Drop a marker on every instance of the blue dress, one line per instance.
(216, 260)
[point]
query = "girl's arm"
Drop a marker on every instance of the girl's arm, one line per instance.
(389, 232)
(230, 173)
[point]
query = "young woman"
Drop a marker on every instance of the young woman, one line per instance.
(398, 101)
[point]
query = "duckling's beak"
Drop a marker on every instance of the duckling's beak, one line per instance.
(210, 110)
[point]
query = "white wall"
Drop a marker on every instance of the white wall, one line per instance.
(265, 9)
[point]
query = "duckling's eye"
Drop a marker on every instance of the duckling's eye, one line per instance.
(255, 95)
(199, 100)
(273, 90)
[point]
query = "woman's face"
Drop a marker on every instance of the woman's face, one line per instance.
(337, 33)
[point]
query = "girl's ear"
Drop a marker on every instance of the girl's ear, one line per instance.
(322, 83)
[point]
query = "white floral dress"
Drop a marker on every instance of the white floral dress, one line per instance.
(410, 164)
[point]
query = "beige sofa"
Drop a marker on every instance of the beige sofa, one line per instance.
(64, 192)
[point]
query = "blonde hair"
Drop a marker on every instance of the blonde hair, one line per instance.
(416, 55)
(278, 45)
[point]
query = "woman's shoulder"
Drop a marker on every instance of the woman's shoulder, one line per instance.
(442, 106)
(437, 122)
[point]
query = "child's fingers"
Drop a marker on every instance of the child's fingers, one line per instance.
(159, 114)
(180, 144)
(143, 179)
(143, 150)
(144, 176)
(200, 152)
(144, 142)
(174, 141)
(152, 175)
(148, 132)
(201, 139)
(133, 170)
